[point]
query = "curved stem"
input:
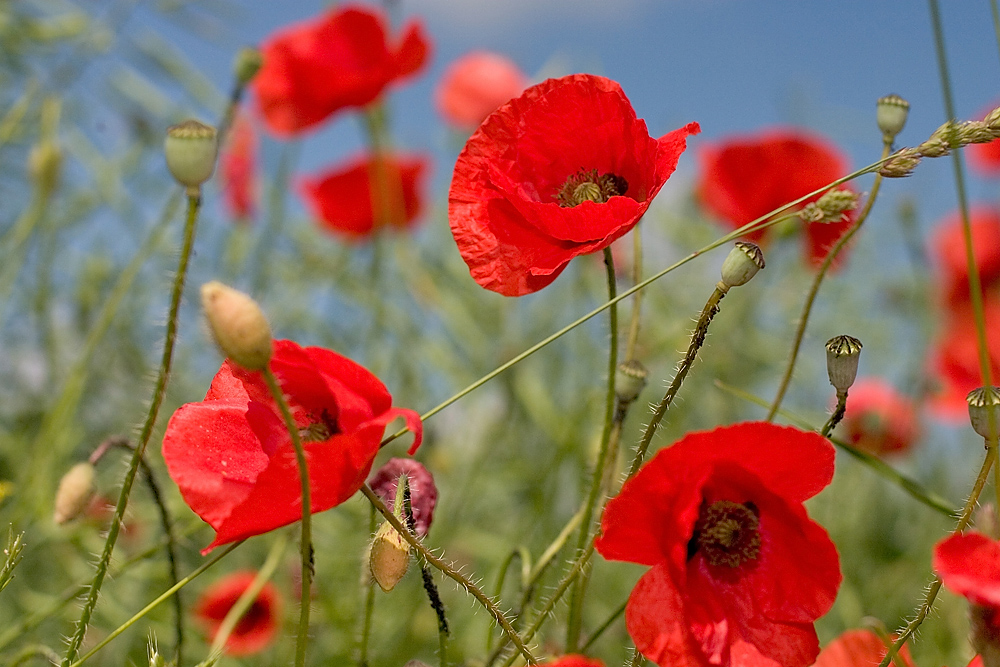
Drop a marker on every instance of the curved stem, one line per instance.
(597, 482)
(147, 430)
(155, 603)
(248, 597)
(838, 414)
(814, 288)
(450, 572)
(697, 340)
(305, 547)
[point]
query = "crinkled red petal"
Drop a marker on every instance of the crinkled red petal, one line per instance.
(969, 564)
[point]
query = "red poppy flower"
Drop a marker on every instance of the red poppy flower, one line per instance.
(475, 85)
(948, 245)
(258, 626)
(879, 419)
(955, 359)
(237, 168)
(423, 492)
(969, 564)
(739, 571)
(563, 170)
(233, 459)
(573, 661)
(338, 60)
(746, 177)
(859, 648)
(348, 201)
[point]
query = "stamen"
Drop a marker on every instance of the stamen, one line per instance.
(321, 429)
(587, 185)
(726, 533)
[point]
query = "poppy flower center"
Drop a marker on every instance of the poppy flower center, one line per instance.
(587, 185)
(726, 533)
(319, 429)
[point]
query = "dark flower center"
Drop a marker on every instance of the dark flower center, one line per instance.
(319, 429)
(586, 185)
(726, 533)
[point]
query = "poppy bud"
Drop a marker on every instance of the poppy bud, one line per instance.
(44, 165)
(190, 149)
(984, 402)
(742, 264)
(76, 488)
(890, 114)
(423, 492)
(842, 356)
(246, 65)
(630, 380)
(389, 557)
(238, 325)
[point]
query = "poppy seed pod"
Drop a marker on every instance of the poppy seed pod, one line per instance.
(742, 264)
(842, 356)
(76, 488)
(389, 557)
(984, 403)
(238, 325)
(190, 149)
(630, 380)
(890, 114)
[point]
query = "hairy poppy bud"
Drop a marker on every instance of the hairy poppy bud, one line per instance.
(76, 488)
(984, 402)
(389, 557)
(630, 380)
(890, 114)
(842, 356)
(238, 325)
(190, 149)
(742, 264)
(423, 492)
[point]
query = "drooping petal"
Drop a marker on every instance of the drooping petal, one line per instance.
(969, 564)
(657, 622)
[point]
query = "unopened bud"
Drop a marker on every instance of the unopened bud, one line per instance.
(238, 325)
(76, 488)
(190, 149)
(389, 557)
(423, 492)
(831, 207)
(742, 264)
(246, 65)
(45, 165)
(890, 114)
(901, 163)
(842, 356)
(984, 405)
(630, 380)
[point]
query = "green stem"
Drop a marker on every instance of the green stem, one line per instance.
(154, 604)
(615, 615)
(450, 572)
(248, 597)
(147, 430)
(697, 340)
(837, 416)
(877, 465)
(963, 521)
(366, 622)
(597, 482)
(306, 549)
(633, 328)
(975, 288)
(762, 222)
(800, 330)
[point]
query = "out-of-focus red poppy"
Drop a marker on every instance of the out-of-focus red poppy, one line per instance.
(475, 85)
(258, 626)
(955, 359)
(563, 170)
(573, 661)
(745, 177)
(948, 245)
(338, 60)
(969, 564)
(423, 492)
(739, 571)
(859, 648)
(237, 168)
(879, 419)
(358, 198)
(233, 459)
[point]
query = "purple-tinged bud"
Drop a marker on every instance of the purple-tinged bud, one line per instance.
(423, 492)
